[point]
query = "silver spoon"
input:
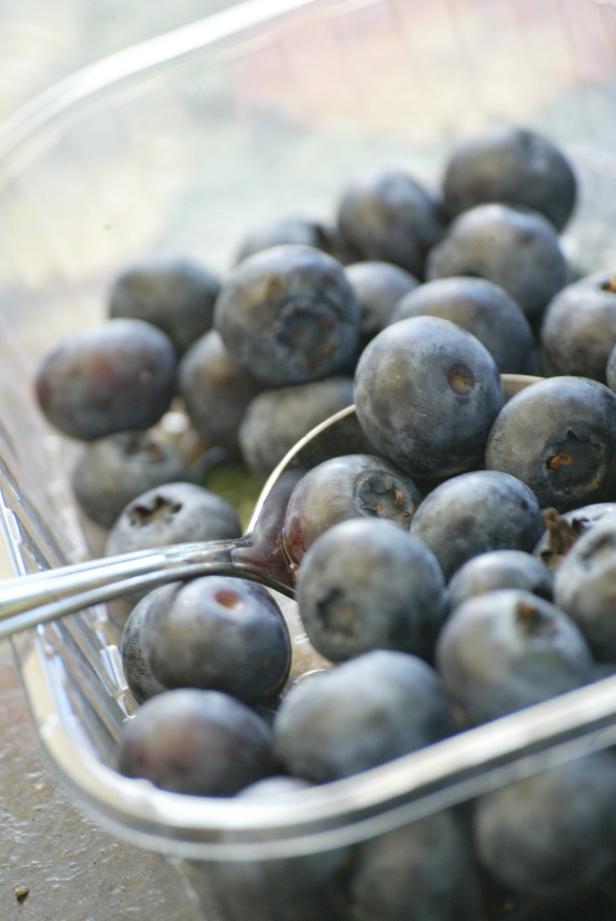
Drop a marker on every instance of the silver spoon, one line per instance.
(29, 600)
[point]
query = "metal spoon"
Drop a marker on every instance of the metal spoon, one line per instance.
(258, 555)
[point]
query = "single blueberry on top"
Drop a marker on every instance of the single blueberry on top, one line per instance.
(367, 584)
(289, 315)
(353, 486)
(512, 165)
(362, 713)
(385, 214)
(427, 393)
(559, 437)
(508, 649)
(515, 248)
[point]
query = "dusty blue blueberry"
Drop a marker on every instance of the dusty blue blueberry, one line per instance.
(112, 471)
(508, 649)
(290, 229)
(427, 393)
(216, 390)
(378, 287)
(559, 437)
(353, 486)
(137, 671)
(116, 376)
(424, 871)
(513, 165)
(370, 585)
(275, 419)
(289, 315)
(173, 513)
(384, 214)
(610, 369)
(177, 295)
(483, 309)
(220, 633)
(579, 327)
(196, 742)
(497, 569)
(474, 513)
(585, 586)
(362, 713)
(516, 249)
(554, 832)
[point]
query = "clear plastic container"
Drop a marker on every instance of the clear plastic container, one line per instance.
(179, 145)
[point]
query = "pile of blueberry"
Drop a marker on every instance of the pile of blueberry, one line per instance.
(455, 563)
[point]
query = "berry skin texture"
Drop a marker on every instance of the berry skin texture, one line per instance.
(427, 393)
(289, 315)
(548, 834)
(514, 248)
(579, 327)
(378, 287)
(559, 437)
(474, 513)
(585, 586)
(196, 742)
(505, 650)
(113, 377)
(137, 671)
(367, 584)
(385, 215)
(353, 486)
(512, 165)
(174, 294)
(362, 713)
(289, 229)
(481, 308)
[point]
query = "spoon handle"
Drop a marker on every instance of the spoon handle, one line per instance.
(26, 601)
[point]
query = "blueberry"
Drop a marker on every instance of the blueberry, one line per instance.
(498, 569)
(508, 649)
(513, 165)
(426, 393)
(559, 437)
(218, 633)
(216, 390)
(289, 315)
(424, 871)
(275, 419)
(174, 513)
(113, 377)
(354, 486)
(610, 370)
(362, 713)
(553, 832)
(480, 307)
(113, 471)
(174, 294)
(585, 586)
(562, 531)
(579, 327)
(294, 888)
(386, 215)
(137, 671)
(196, 742)
(370, 585)
(514, 248)
(378, 287)
(474, 513)
(289, 229)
